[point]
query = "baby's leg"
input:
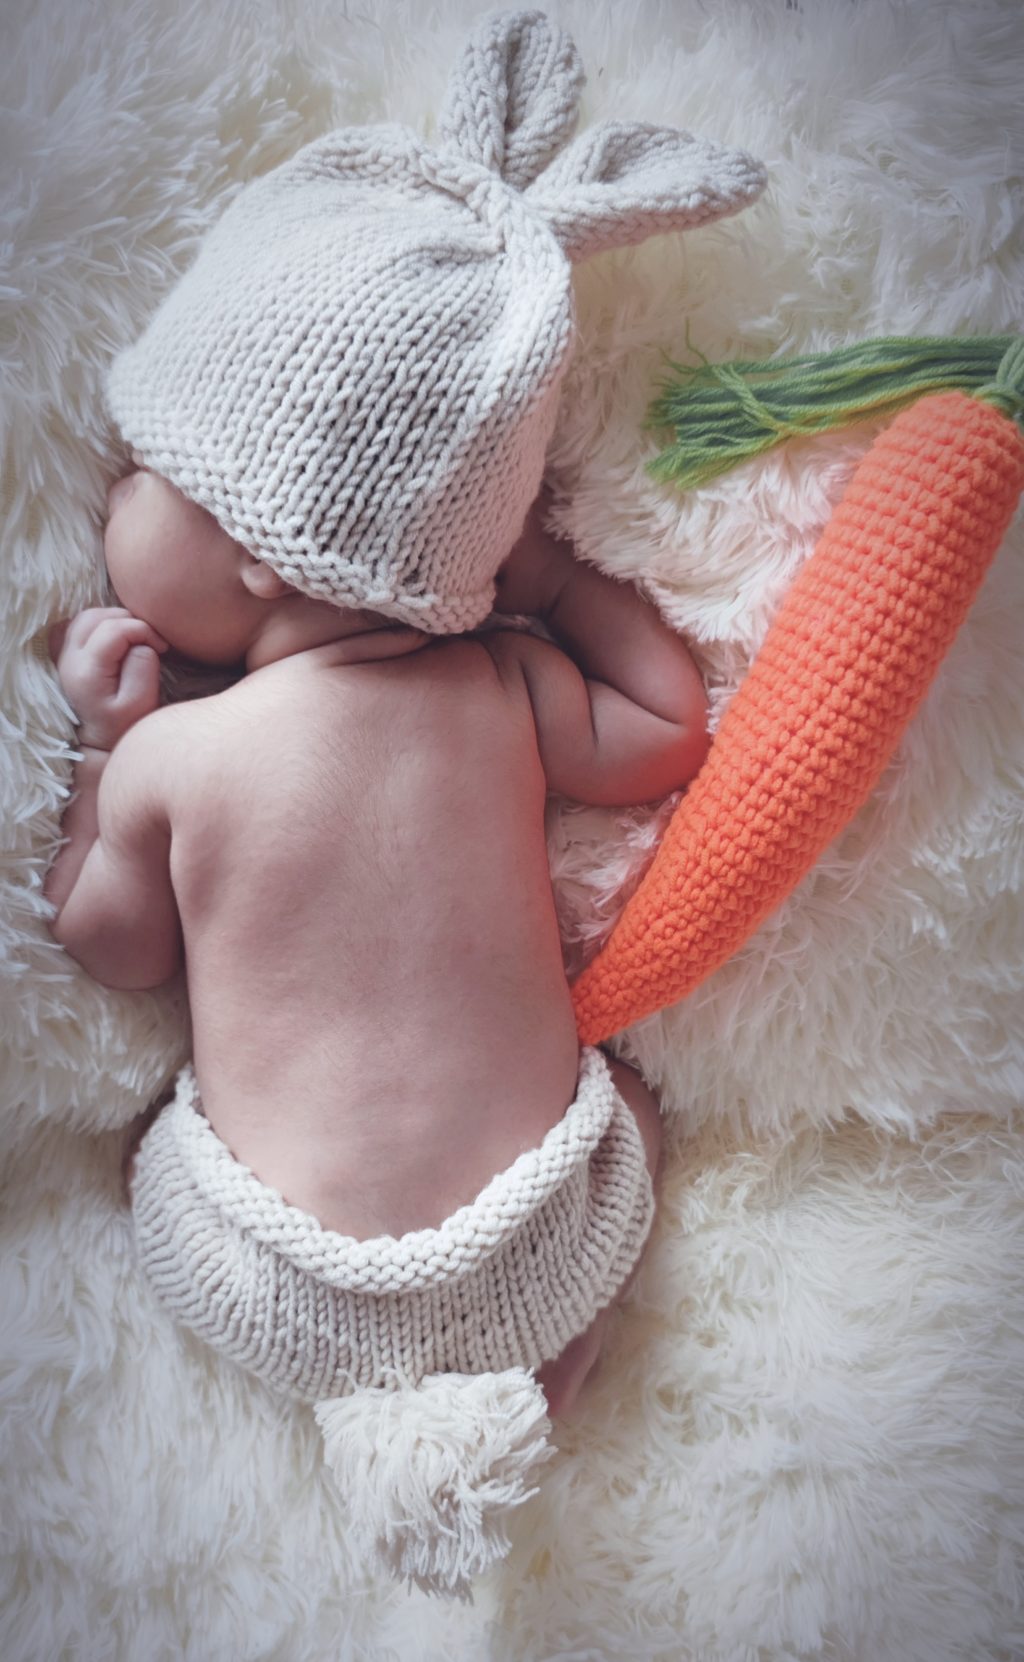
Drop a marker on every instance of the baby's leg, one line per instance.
(562, 1379)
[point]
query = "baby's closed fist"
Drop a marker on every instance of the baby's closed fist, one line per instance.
(109, 666)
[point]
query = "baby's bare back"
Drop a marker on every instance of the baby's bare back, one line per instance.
(381, 1018)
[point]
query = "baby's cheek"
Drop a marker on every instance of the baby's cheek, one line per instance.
(116, 547)
(123, 568)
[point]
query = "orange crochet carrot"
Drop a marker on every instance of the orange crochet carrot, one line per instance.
(848, 657)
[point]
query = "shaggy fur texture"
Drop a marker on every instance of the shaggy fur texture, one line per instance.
(804, 1441)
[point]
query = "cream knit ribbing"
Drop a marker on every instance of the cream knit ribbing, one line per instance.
(505, 1282)
(359, 374)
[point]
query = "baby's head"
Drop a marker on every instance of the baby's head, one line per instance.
(173, 565)
(358, 376)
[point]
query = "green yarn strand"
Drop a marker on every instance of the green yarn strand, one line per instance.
(1006, 389)
(724, 414)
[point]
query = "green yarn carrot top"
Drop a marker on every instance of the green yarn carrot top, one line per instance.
(723, 414)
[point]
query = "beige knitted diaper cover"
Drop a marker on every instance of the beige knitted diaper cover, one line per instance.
(418, 1352)
(506, 1281)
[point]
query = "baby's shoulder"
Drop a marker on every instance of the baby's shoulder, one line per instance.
(192, 736)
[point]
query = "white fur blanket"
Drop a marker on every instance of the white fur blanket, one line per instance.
(805, 1441)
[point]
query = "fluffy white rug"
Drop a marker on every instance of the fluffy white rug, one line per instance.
(805, 1441)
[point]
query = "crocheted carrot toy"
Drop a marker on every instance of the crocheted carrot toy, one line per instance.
(850, 653)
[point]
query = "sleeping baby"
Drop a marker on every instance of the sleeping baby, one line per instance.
(390, 1182)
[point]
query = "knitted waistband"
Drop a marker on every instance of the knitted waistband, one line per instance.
(506, 1281)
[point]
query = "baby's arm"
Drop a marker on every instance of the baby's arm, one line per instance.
(620, 707)
(110, 884)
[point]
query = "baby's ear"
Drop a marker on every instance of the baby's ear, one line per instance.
(624, 181)
(262, 580)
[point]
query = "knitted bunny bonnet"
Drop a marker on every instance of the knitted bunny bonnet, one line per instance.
(358, 376)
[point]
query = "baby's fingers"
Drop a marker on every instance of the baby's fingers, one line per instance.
(139, 688)
(78, 629)
(114, 638)
(74, 632)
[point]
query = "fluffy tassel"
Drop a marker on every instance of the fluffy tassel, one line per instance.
(431, 1472)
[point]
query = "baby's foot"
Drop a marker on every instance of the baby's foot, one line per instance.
(562, 1380)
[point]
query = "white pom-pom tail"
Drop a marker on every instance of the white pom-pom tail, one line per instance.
(432, 1472)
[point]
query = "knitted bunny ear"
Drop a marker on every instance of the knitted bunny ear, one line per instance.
(622, 182)
(431, 1472)
(512, 100)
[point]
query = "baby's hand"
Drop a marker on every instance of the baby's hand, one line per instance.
(109, 666)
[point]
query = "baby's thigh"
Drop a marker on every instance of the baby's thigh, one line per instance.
(563, 1378)
(644, 1104)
